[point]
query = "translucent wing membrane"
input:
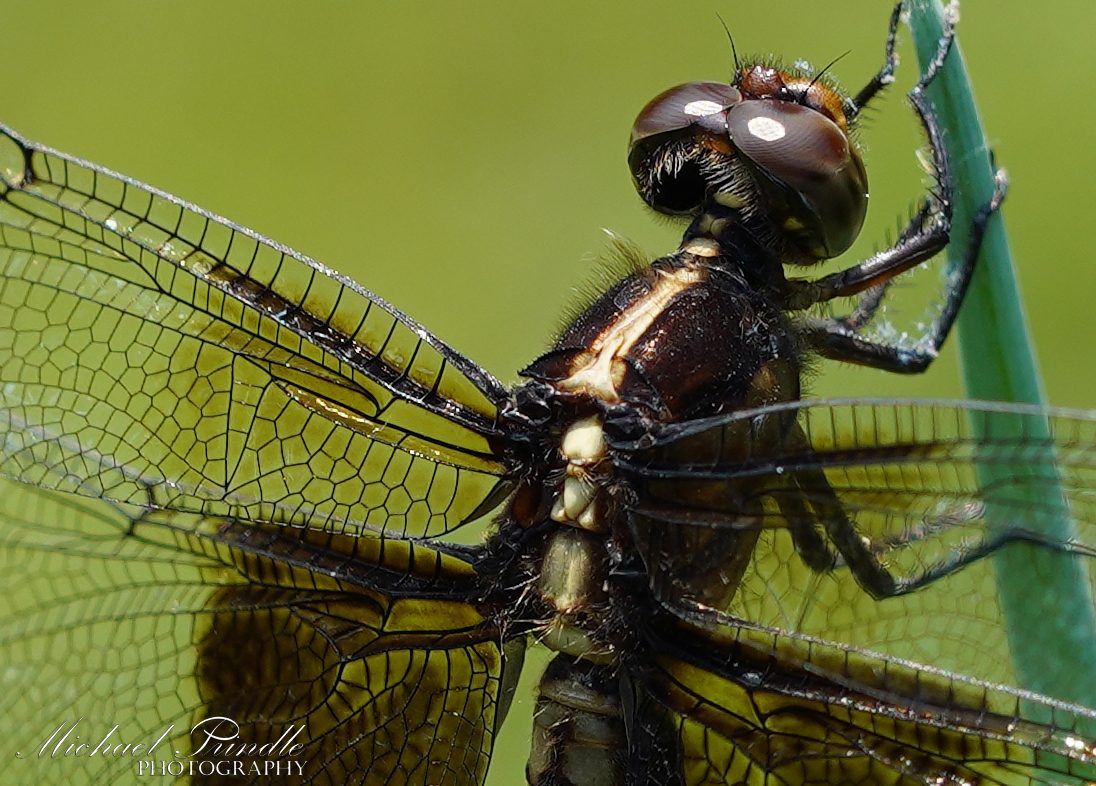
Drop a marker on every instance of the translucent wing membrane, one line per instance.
(752, 706)
(899, 478)
(157, 621)
(778, 658)
(154, 354)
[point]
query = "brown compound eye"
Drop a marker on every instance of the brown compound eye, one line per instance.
(809, 171)
(671, 137)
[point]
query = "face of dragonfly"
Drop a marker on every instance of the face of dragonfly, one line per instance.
(524, 247)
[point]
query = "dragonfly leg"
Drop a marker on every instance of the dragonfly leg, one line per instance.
(810, 504)
(885, 75)
(806, 536)
(974, 552)
(925, 235)
(865, 558)
(856, 553)
(867, 305)
(841, 339)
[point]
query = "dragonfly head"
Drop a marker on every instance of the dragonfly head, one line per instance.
(772, 143)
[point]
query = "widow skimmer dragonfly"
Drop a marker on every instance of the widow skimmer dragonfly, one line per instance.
(224, 636)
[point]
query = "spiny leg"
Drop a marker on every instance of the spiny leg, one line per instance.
(840, 339)
(806, 538)
(885, 75)
(863, 557)
(919, 241)
(869, 302)
(812, 502)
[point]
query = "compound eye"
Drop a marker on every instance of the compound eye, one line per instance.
(812, 174)
(671, 136)
(700, 104)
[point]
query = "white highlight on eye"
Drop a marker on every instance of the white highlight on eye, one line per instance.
(702, 108)
(766, 128)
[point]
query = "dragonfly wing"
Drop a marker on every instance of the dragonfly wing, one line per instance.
(745, 704)
(152, 353)
(365, 651)
(722, 505)
(774, 656)
(256, 453)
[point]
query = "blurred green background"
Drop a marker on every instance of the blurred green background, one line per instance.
(461, 159)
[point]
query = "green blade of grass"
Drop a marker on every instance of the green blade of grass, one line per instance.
(1045, 595)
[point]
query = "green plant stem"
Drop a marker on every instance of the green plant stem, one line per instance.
(1045, 595)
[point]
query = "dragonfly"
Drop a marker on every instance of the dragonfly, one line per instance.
(239, 487)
